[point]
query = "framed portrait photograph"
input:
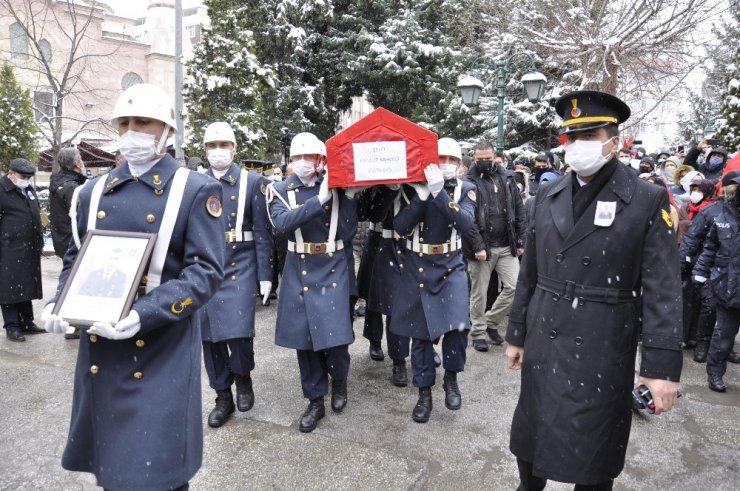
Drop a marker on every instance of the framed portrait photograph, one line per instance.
(105, 277)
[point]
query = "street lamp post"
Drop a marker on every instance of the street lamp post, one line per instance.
(534, 85)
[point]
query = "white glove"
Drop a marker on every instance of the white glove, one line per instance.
(126, 328)
(354, 191)
(435, 179)
(324, 191)
(700, 279)
(265, 288)
(422, 191)
(52, 322)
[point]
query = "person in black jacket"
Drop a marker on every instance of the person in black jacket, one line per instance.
(61, 188)
(713, 164)
(719, 267)
(494, 243)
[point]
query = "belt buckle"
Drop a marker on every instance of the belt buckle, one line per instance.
(230, 236)
(570, 288)
(435, 249)
(318, 248)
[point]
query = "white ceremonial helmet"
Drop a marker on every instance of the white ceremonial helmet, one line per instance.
(306, 144)
(449, 147)
(219, 131)
(146, 101)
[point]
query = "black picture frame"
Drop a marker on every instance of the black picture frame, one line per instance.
(105, 277)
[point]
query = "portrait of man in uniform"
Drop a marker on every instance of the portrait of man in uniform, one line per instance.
(108, 281)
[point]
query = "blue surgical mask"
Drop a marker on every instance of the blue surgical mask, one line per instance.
(715, 161)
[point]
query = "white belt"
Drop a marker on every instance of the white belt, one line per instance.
(313, 247)
(390, 234)
(434, 249)
(239, 236)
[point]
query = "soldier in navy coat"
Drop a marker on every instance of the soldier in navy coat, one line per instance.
(431, 301)
(314, 307)
(136, 409)
(227, 320)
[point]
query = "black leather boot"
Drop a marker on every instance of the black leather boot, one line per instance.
(399, 377)
(453, 400)
(311, 416)
(716, 383)
(700, 351)
(244, 392)
(14, 334)
(376, 352)
(734, 357)
(223, 410)
(338, 395)
(423, 408)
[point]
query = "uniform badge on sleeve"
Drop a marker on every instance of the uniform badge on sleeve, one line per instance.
(213, 205)
(472, 196)
(667, 218)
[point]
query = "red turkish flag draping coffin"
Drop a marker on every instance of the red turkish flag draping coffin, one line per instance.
(381, 148)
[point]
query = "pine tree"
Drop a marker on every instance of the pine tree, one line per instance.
(728, 122)
(227, 81)
(18, 132)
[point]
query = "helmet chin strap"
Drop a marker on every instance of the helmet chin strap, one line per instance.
(163, 139)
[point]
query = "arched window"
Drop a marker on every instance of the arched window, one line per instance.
(45, 49)
(130, 79)
(18, 42)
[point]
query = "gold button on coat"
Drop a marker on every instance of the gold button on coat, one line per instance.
(421, 270)
(233, 198)
(305, 288)
(139, 343)
(304, 273)
(150, 218)
(233, 277)
(101, 215)
(334, 285)
(421, 285)
(94, 369)
(159, 192)
(138, 375)
(93, 338)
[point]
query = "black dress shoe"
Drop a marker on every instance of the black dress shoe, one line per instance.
(453, 400)
(376, 352)
(244, 392)
(700, 352)
(423, 408)
(311, 416)
(338, 395)
(691, 343)
(734, 357)
(437, 359)
(360, 311)
(716, 383)
(480, 345)
(15, 334)
(273, 296)
(399, 377)
(496, 338)
(33, 329)
(223, 410)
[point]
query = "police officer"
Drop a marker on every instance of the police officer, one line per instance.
(136, 410)
(21, 242)
(431, 300)
(227, 320)
(595, 270)
(314, 308)
(719, 266)
(379, 275)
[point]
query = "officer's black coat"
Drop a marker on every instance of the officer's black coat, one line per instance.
(21, 242)
(573, 417)
(61, 189)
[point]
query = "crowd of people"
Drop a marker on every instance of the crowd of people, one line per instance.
(487, 248)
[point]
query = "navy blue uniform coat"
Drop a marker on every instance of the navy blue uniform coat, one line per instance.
(137, 421)
(230, 313)
(432, 295)
(313, 312)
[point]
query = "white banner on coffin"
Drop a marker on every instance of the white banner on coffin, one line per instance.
(375, 161)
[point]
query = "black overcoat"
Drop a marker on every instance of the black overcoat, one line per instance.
(582, 293)
(21, 242)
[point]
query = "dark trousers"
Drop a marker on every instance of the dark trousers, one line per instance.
(17, 315)
(529, 482)
(317, 366)
(723, 339)
(398, 346)
(707, 314)
(224, 359)
(422, 357)
(691, 294)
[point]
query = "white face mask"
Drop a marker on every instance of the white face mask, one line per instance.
(305, 170)
(219, 158)
(625, 160)
(22, 183)
(584, 156)
(449, 171)
(139, 148)
(669, 173)
(696, 196)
